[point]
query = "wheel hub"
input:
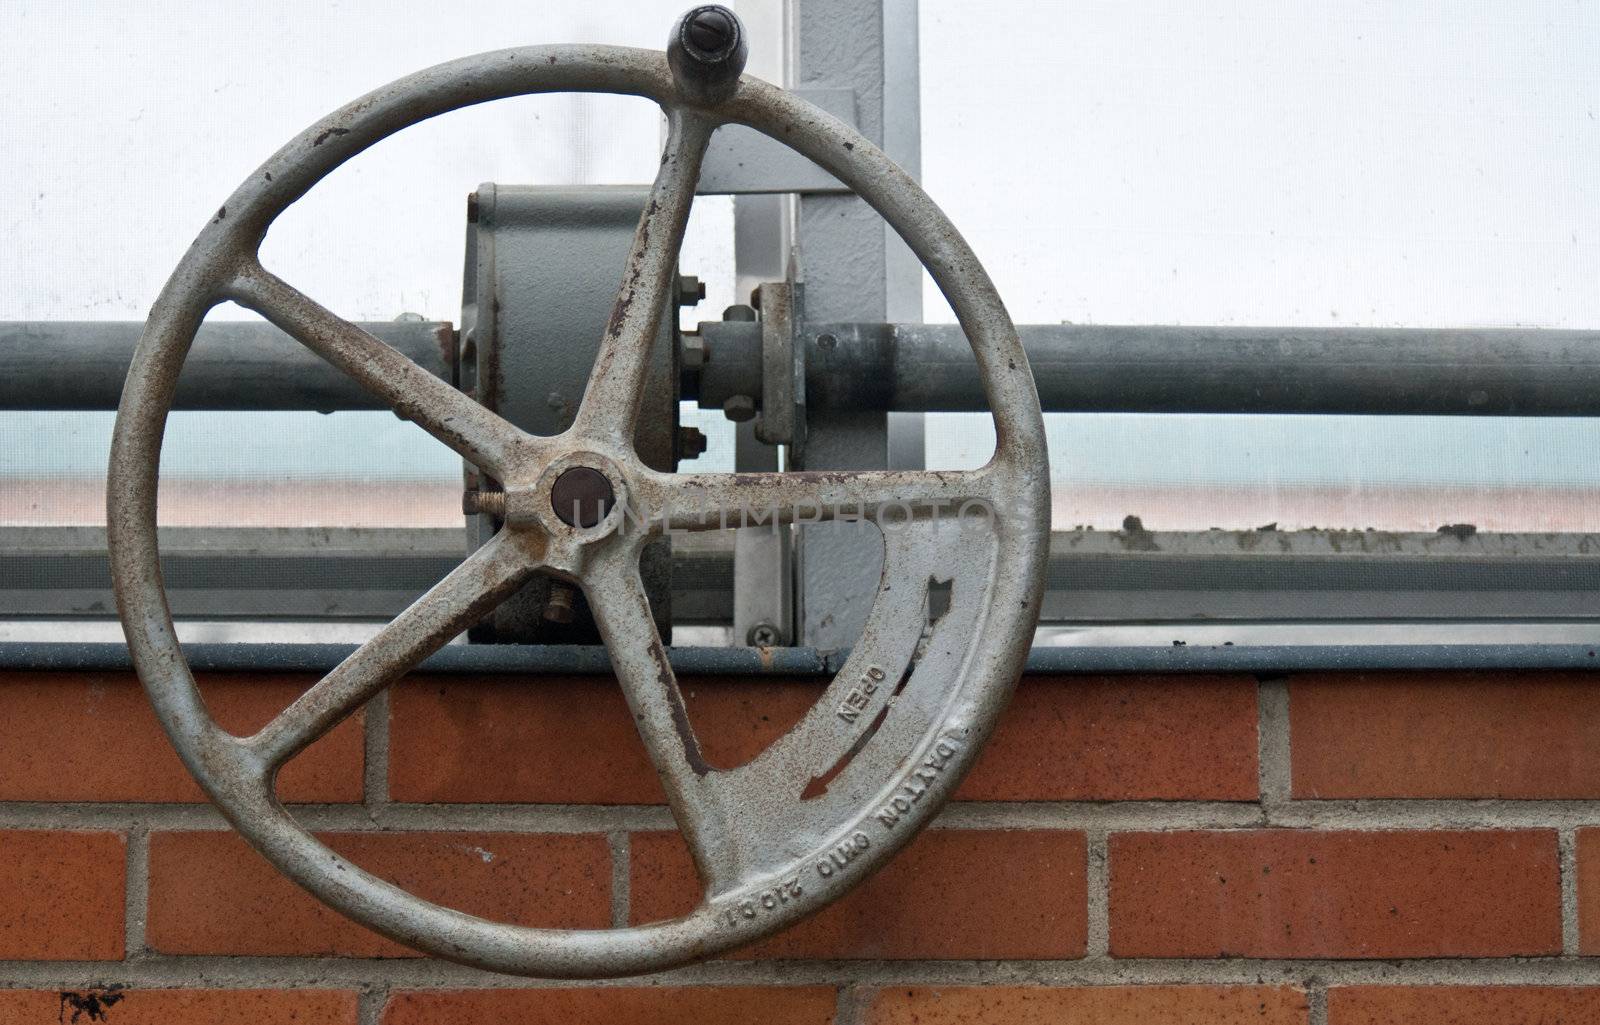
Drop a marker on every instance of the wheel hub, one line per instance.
(582, 497)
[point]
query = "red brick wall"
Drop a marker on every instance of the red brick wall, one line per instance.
(1346, 849)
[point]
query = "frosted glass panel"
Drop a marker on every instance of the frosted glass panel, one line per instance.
(1400, 163)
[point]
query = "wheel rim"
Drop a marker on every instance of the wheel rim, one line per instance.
(773, 859)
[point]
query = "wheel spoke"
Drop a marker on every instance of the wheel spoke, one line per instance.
(463, 597)
(611, 399)
(719, 501)
(622, 611)
(452, 416)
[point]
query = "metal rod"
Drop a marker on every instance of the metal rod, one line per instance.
(907, 368)
(1185, 579)
(528, 662)
(1083, 368)
(234, 365)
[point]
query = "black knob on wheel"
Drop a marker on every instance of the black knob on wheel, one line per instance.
(707, 52)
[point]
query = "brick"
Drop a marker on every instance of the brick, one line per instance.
(1589, 891)
(1102, 1005)
(1443, 735)
(1305, 893)
(94, 737)
(1122, 738)
(571, 740)
(565, 740)
(951, 894)
(1463, 1005)
(211, 894)
(61, 895)
(121, 1006)
(666, 1005)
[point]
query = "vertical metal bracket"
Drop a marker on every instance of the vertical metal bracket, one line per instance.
(763, 580)
(742, 161)
(783, 364)
(763, 563)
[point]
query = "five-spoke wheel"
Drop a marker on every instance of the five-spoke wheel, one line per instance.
(774, 839)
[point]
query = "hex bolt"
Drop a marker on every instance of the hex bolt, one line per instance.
(739, 408)
(763, 635)
(476, 502)
(739, 313)
(582, 497)
(561, 605)
(691, 443)
(691, 290)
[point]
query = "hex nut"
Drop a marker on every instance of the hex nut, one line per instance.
(691, 443)
(691, 290)
(739, 408)
(692, 353)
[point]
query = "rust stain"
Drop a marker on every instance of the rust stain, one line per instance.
(680, 714)
(1134, 536)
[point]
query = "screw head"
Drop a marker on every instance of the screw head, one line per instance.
(711, 30)
(763, 635)
(706, 52)
(582, 497)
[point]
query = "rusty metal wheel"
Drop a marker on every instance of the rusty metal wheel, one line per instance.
(884, 746)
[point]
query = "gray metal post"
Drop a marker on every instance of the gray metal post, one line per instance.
(855, 270)
(763, 564)
(902, 139)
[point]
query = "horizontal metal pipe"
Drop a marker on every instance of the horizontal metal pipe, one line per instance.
(906, 367)
(1083, 368)
(234, 365)
(479, 659)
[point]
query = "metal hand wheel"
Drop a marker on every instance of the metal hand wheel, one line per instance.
(886, 743)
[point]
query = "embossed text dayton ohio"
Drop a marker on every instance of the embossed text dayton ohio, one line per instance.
(916, 782)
